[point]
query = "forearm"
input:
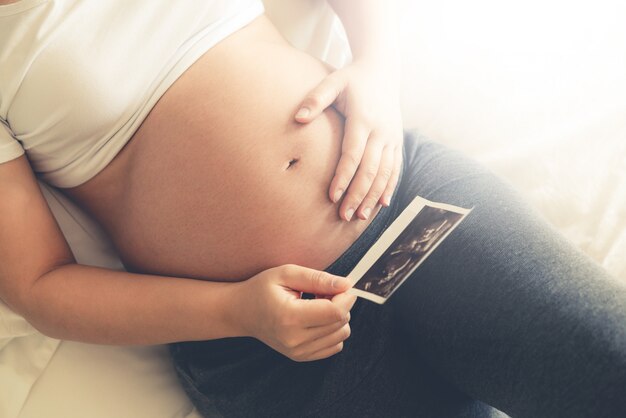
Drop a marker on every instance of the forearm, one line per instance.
(96, 305)
(371, 29)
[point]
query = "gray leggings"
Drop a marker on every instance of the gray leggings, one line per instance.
(504, 314)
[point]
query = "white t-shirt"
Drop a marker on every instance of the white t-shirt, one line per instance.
(78, 77)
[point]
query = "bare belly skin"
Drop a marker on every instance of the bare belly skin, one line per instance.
(219, 182)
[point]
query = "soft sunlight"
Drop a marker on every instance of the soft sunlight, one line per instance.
(535, 90)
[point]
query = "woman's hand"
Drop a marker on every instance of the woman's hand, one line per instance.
(270, 309)
(371, 154)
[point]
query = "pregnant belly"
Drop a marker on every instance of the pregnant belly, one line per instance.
(219, 182)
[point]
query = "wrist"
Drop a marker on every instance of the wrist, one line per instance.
(383, 69)
(234, 311)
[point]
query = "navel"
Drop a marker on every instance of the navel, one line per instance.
(292, 163)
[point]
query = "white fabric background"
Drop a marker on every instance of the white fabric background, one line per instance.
(535, 90)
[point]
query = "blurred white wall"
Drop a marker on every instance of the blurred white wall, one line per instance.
(503, 70)
(536, 90)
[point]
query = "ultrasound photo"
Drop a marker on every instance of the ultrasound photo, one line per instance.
(405, 245)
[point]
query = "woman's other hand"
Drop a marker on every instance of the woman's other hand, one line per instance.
(270, 308)
(369, 166)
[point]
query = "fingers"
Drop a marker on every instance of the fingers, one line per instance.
(315, 342)
(325, 346)
(352, 149)
(327, 352)
(370, 180)
(317, 312)
(320, 98)
(385, 200)
(344, 301)
(324, 311)
(382, 181)
(309, 280)
(315, 333)
(375, 179)
(368, 168)
(293, 326)
(322, 314)
(323, 341)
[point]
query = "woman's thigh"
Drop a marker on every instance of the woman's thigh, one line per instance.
(505, 308)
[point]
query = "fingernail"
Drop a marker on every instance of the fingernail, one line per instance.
(337, 195)
(386, 200)
(349, 214)
(367, 212)
(303, 112)
(339, 282)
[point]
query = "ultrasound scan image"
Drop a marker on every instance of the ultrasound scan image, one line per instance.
(410, 247)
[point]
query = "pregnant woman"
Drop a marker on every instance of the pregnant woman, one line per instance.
(209, 148)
